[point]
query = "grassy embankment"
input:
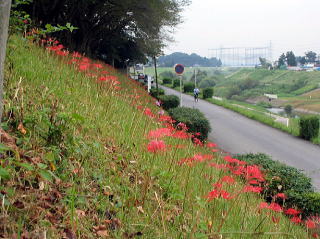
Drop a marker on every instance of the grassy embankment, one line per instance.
(79, 166)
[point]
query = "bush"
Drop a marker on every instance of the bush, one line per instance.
(207, 93)
(188, 87)
(264, 104)
(169, 101)
(288, 109)
(176, 83)
(281, 178)
(155, 93)
(167, 81)
(194, 119)
(309, 127)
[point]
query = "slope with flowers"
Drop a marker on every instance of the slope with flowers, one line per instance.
(87, 153)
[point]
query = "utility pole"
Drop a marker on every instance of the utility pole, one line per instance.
(195, 78)
(5, 6)
(155, 72)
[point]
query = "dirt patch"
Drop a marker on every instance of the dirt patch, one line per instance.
(273, 102)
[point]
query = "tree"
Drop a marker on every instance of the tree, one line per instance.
(282, 60)
(311, 56)
(117, 31)
(291, 59)
(4, 22)
(301, 59)
(288, 109)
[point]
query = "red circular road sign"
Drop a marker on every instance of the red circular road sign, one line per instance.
(179, 69)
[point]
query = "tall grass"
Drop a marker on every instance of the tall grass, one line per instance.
(82, 167)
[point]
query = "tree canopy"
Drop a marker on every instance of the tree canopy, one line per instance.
(116, 31)
(187, 60)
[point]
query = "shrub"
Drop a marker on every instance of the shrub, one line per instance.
(207, 93)
(167, 81)
(155, 93)
(194, 119)
(169, 101)
(176, 83)
(188, 87)
(309, 127)
(288, 109)
(281, 178)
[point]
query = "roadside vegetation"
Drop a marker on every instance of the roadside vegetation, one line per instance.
(87, 153)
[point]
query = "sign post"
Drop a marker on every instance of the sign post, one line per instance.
(179, 69)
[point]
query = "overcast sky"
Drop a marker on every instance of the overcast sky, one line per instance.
(288, 24)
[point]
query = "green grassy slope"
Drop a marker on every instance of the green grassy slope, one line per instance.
(78, 164)
(281, 82)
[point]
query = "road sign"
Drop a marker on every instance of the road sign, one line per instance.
(179, 69)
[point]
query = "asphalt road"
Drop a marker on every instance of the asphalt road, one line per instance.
(235, 133)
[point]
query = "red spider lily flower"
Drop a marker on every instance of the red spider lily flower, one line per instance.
(254, 172)
(253, 182)
(213, 194)
(180, 134)
(315, 235)
(218, 166)
(296, 220)
(98, 66)
(148, 112)
(228, 180)
(105, 72)
(25, 21)
(214, 150)
(83, 66)
(211, 145)
(217, 185)
(85, 60)
(197, 142)
(56, 42)
(253, 189)
(155, 146)
(275, 207)
(197, 134)
(159, 133)
(225, 195)
(263, 205)
(275, 220)
(76, 55)
(310, 224)
(229, 159)
(280, 195)
(292, 211)
(166, 118)
(62, 53)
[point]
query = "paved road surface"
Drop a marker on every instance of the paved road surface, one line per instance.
(235, 133)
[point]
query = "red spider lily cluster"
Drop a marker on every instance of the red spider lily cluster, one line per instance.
(106, 75)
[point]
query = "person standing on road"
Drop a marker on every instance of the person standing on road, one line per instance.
(196, 92)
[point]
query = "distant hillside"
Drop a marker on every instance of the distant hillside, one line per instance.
(187, 60)
(248, 83)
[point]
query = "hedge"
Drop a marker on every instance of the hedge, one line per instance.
(176, 83)
(155, 93)
(194, 119)
(188, 87)
(281, 178)
(169, 101)
(207, 93)
(167, 81)
(309, 127)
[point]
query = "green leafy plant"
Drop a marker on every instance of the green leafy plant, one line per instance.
(207, 93)
(169, 101)
(156, 93)
(167, 81)
(194, 119)
(309, 127)
(188, 87)
(176, 83)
